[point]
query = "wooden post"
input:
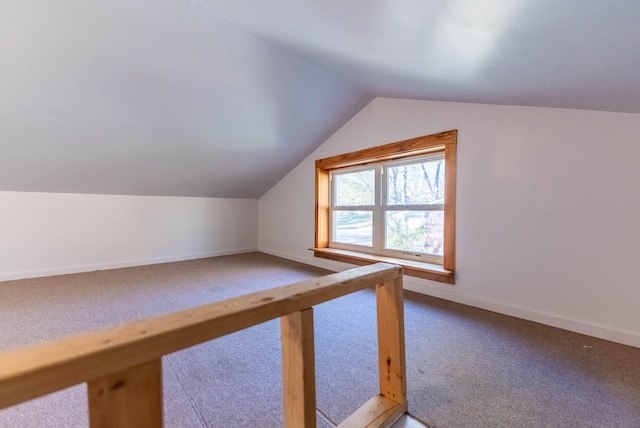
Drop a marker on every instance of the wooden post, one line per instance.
(298, 370)
(391, 357)
(128, 399)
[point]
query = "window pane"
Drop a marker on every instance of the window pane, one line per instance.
(355, 188)
(353, 227)
(419, 183)
(415, 231)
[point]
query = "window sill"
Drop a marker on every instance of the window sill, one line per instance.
(410, 267)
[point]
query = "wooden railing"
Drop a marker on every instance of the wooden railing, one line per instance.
(122, 365)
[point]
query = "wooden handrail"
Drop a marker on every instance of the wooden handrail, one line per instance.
(122, 365)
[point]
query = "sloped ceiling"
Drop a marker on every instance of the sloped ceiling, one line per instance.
(154, 98)
(581, 54)
(221, 98)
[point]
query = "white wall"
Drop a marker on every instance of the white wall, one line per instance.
(548, 209)
(51, 233)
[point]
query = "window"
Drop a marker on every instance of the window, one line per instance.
(393, 208)
(393, 203)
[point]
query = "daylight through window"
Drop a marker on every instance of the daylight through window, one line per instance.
(392, 208)
(389, 203)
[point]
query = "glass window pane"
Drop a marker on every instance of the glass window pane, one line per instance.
(415, 231)
(355, 188)
(420, 183)
(353, 227)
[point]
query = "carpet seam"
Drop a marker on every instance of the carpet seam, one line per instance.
(191, 402)
(421, 421)
(325, 418)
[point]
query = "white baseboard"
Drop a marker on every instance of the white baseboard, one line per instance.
(121, 264)
(311, 260)
(625, 337)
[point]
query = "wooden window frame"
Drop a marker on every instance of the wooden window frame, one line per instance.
(442, 142)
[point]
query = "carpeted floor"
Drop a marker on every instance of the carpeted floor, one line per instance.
(465, 367)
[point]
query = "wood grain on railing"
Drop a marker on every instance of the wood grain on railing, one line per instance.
(122, 365)
(128, 399)
(298, 369)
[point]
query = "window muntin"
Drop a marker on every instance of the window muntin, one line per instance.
(392, 208)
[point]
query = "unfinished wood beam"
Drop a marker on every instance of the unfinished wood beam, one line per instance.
(123, 369)
(41, 369)
(298, 370)
(378, 412)
(391, 352)
(131, 398)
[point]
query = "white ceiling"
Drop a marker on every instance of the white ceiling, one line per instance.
(222, 98)
(582, 54)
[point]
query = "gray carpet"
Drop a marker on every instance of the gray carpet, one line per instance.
(465, 367)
